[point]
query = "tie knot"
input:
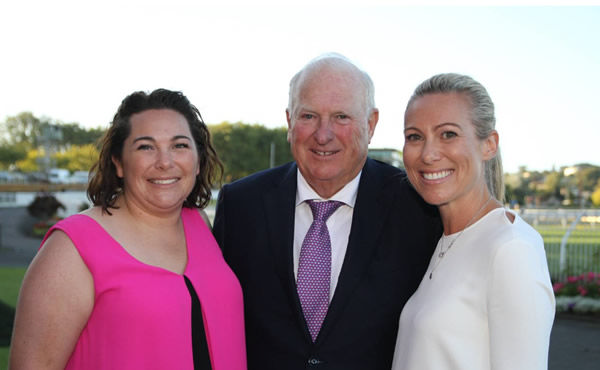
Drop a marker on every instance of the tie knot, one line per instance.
(322, 210)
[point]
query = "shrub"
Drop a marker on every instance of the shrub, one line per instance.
(7, 316)
(584, 285)
(44, 206)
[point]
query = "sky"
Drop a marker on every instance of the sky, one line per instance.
(74, 61)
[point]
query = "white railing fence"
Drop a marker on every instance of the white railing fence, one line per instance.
(571, 239)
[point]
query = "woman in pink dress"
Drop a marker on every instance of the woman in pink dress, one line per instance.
(137, 281)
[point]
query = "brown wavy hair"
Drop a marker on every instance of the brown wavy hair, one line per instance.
(105, 186)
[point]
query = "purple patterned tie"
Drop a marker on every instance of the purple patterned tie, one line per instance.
(314, 267)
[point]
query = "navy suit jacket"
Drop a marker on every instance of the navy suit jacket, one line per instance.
(392, 237)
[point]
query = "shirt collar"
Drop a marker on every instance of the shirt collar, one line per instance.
(346, 195)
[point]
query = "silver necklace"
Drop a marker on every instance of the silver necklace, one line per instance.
(442, 253)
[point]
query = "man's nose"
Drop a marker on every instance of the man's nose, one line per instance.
(324, 132)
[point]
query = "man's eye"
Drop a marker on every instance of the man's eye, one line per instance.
(449, 134)
(307, 116)
(342, 116)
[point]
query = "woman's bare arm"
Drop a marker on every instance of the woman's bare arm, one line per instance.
(55, 302)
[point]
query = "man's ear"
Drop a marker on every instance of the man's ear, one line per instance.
(289, 122)
(372, 122)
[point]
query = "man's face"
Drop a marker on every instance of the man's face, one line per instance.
(329, 129)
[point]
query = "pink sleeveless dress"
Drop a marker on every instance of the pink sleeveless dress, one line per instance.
(146, 317)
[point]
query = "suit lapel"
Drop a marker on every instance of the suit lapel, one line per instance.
(279, 204)
(371, 208)
(280, 207)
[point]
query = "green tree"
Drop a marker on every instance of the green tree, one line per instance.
(551, 185)
(73, 134)
(517, 186)
(30, 162)
(27, 128)
(596, 195)
(22, 128)
(11, 153)
(587, 177)
(23, 139)
(245, 149)
(77, 157)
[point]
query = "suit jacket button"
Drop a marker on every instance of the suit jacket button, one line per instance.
(313, 361)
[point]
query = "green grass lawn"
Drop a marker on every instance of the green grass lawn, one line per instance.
(10, 282)
(581, 234)
(3, 357)
(583, 248)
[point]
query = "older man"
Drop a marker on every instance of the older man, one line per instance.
(327, 248)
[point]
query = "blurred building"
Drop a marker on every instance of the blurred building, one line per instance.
(390, 156)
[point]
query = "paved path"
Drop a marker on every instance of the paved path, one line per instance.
(574, 343)
(16, 248)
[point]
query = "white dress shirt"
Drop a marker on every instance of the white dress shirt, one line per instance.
(338, 224)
